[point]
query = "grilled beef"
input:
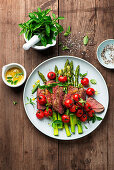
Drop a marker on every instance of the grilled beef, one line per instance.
(39, 92)
(96, 106)
(72, 90)
(57, 98)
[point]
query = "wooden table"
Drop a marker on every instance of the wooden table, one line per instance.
(22, 146)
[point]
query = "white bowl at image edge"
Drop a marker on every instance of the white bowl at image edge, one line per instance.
(9, 66)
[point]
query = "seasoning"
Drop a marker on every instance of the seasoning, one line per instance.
(108, 54)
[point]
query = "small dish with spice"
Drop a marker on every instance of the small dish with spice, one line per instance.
(13, 74)
(105, 53)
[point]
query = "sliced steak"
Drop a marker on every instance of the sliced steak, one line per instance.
(57, 99)
(71, 91)
(39, 92)
(82, 93)
(96, 106)
(48, 94)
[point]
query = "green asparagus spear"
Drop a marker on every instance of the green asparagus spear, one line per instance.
(65, 67)
(62, 72)
(56, 72)
(67, 129)
(80, 130)
(72, 123)
(72, 72)
(77, 75)
(59, 118)
(42, 77)
(56, 127)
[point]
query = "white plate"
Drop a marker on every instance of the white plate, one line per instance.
(45, 67)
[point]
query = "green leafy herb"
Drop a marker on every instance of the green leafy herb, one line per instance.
(60, 43)
(9, 81)
(41, 24)
(80, 85)
(67, 32)
(82, 75)
(15, 82)
(93, 81)
(85, 40)
(82, 101)
(65, 48)
(14, 102)
(30, 102)
(9, 77)
(57, 122)
(85, 126)
(17, 75)
(65, 89)
(94, 118)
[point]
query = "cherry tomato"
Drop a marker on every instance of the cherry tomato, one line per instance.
(85, 81)
(42, 99)
(62, 79)
(73, 108)
(91, 113)
(48, 112)
(76, 97)
(83, 118)
(39, 114)
(68, 103)
(79, 113)
(80, 105)
(51, 75)
(87, 107)
(65, 118)
(90, 91)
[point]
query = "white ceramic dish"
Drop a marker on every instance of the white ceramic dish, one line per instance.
(11, 65)
(42, 47)
(45, 67)
(99, 51)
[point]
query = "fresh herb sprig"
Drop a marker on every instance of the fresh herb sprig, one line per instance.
(67, 32)
(43, 25)
(82, 75)
(30, 102)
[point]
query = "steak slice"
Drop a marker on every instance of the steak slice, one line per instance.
(57, 99)
(48, 94)
(71, 91)
(96, 106)
(39, 92)
(82, 93)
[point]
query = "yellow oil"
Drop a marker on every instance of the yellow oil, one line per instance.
(14, 75)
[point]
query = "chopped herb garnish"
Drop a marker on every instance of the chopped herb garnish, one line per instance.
(82, 101)
(14, 102)
(60, 43)
(15, 82)
(82, 75)
(30, 101)
(67, 32)
(65, 48)
(93, 81)
(9, 81)
(9, 77)
(85, 40)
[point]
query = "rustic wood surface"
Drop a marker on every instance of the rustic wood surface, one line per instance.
(22, 146)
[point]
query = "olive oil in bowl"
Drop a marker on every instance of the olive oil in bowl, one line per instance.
(14, 76)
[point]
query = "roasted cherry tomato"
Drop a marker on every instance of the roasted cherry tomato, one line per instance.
(62, 79)
(91, 113)
(85, 81)
(80, 105)
(83, 118)
(79, 113)
(68, 103)
(87, 107)
(48, 112)
(90, 91)
(42, 99)
(76, 97)
(51, 75)
(65, 118)
(39, 114)
(73, 108)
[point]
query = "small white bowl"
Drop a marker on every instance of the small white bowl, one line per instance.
(42, 47)
(11, 65)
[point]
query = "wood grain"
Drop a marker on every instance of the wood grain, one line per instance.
(22, 146)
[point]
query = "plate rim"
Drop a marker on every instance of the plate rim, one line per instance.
(63, 56)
